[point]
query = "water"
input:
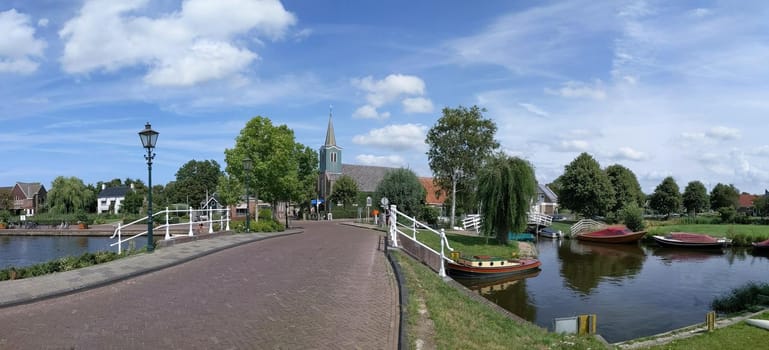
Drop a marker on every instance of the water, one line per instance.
(634, 290)
(23, 251)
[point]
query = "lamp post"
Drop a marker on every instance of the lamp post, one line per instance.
(149, 138)
(247, 165)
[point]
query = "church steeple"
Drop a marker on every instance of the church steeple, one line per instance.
(330, 138)
(330, 153)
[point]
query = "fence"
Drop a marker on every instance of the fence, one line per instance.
(403, 234)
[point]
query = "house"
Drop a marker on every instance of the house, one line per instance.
(745, 204)
(211, 202)
(545, 201)
(28, 198)
(111, 199)
(435, 196)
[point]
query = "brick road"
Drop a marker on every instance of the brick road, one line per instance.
(328, 288)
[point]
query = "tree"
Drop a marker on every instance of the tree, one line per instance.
(632, 216)
(695, 198)
(229, 190)
(402, 188)
(762, 205)
(666, 198)
(133, 202)
(307, 172)
(724, 196)
(194, 180)
(458, 142)
(626, 188)
(345, 190)
(6, 200)
(585, 188)
(68, 195)
(275, 160)
(506, 187)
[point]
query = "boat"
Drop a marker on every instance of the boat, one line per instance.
(761, 247)
(521, 237)
(758, 323)
(691, 240)
(612, 234)
(548, 232)
(490, 285)
(484, 266)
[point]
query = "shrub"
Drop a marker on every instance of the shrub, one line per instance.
(750, 297)
(429, 215)
(265, 214)
(727, 214)
(633, 217)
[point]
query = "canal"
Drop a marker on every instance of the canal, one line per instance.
(21, 251)
(635, 290)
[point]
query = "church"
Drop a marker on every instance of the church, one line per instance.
(367, 177)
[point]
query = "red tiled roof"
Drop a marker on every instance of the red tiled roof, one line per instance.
(431, 189)
(746, 200)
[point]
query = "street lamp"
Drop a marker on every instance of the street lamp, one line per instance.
(149, 138)
(247, 165)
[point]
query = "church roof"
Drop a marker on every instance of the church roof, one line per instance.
(330, 138)
(366, 176)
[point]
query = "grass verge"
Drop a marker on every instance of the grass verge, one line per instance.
(463, 323)
(738, 336)
(469, 245)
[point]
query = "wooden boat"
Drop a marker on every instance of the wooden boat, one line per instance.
(612, 234)
(521, 237)
(484, 266)
(691, 240)
(761, 247)
(758, 323)
(548, 232)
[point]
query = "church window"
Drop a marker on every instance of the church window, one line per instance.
(333, 157)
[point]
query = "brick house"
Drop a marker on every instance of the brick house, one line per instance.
(26, 198)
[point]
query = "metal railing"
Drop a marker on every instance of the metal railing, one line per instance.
(540, 219)
(586, 225)
(412, 245)
(472, 222)
(205, 217)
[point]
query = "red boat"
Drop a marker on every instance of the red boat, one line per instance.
(761, 247)
(484, 266)
(691, 240)
(612, 234)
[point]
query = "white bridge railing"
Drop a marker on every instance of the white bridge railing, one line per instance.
(586, 225)
(472, 222)
(205, 218)
(408, 230)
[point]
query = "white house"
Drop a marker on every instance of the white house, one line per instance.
(111, 199)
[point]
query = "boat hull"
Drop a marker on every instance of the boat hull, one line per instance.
(549, 233)
(761, 247)
(758, 323)
(617, 239)
(668, 242)
(465, 271)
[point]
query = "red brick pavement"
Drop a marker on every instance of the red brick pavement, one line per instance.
(328, 288)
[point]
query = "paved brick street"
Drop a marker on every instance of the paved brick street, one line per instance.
(328, 287)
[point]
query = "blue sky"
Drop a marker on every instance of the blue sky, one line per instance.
(663, 88)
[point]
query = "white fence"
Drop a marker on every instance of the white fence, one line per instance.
(472, 222)
(205, 218)
(404, 235)
(586, 225)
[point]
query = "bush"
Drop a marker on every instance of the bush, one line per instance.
(750, 297)
(265, 214)
(62, 264)
(633, 217)
(727, 214)
(429, 215)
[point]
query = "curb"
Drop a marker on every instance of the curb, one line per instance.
(108, 281)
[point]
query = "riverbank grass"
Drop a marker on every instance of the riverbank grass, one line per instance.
(735, 337)
(463, 323)
(469, 245)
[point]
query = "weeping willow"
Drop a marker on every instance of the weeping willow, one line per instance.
(506, 187)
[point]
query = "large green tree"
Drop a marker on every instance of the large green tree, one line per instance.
(666, 198)
(695, 198)
(194, 180)
(723, 196)
(627, 190)
(69, 195)
(459, 142)
(585, 188)
(506, 187)
(134, 202)
(276, 159)
(402, 188)
(230, 190)
(307, 171)
(345, 190)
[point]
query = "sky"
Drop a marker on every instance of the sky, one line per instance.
(664, 88)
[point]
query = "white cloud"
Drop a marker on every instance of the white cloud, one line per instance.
(196, 44)
(43, 22)
(393, 161)
(723, 133)
(627, 153)
(395, 137)
(391, 88)
(19, 47)
(693, 135)
(576, 89)
(571, 146)
(417, 105)
(534, 109)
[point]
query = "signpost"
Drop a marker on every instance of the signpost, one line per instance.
(368, 207)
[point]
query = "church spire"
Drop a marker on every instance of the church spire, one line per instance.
(330, 138)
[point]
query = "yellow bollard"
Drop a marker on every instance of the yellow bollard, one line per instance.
(455, 255)
(710, 321)
(586, 324)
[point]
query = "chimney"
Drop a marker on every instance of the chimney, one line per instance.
(103, 186)
(132, 185)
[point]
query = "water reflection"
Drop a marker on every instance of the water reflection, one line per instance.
(669, 255)
(23, 251)
(584, 264)
(508, 292)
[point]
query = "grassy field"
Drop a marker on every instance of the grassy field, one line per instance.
(738, 336)
(460, 322)
(758, 232)
(469, 245)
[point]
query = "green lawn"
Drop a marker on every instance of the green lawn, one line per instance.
(745, 233)
(468, 245)
(737, 337)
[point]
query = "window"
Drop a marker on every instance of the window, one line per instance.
(333, 157)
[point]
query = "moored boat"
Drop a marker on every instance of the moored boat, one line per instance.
(758, 323)
(761, 247)
(521, 237)
(484, 266)
(691, 240)
(612, 234)
(548, 232)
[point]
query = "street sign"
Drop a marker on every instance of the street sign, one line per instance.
(368, 201)
(385, 202)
